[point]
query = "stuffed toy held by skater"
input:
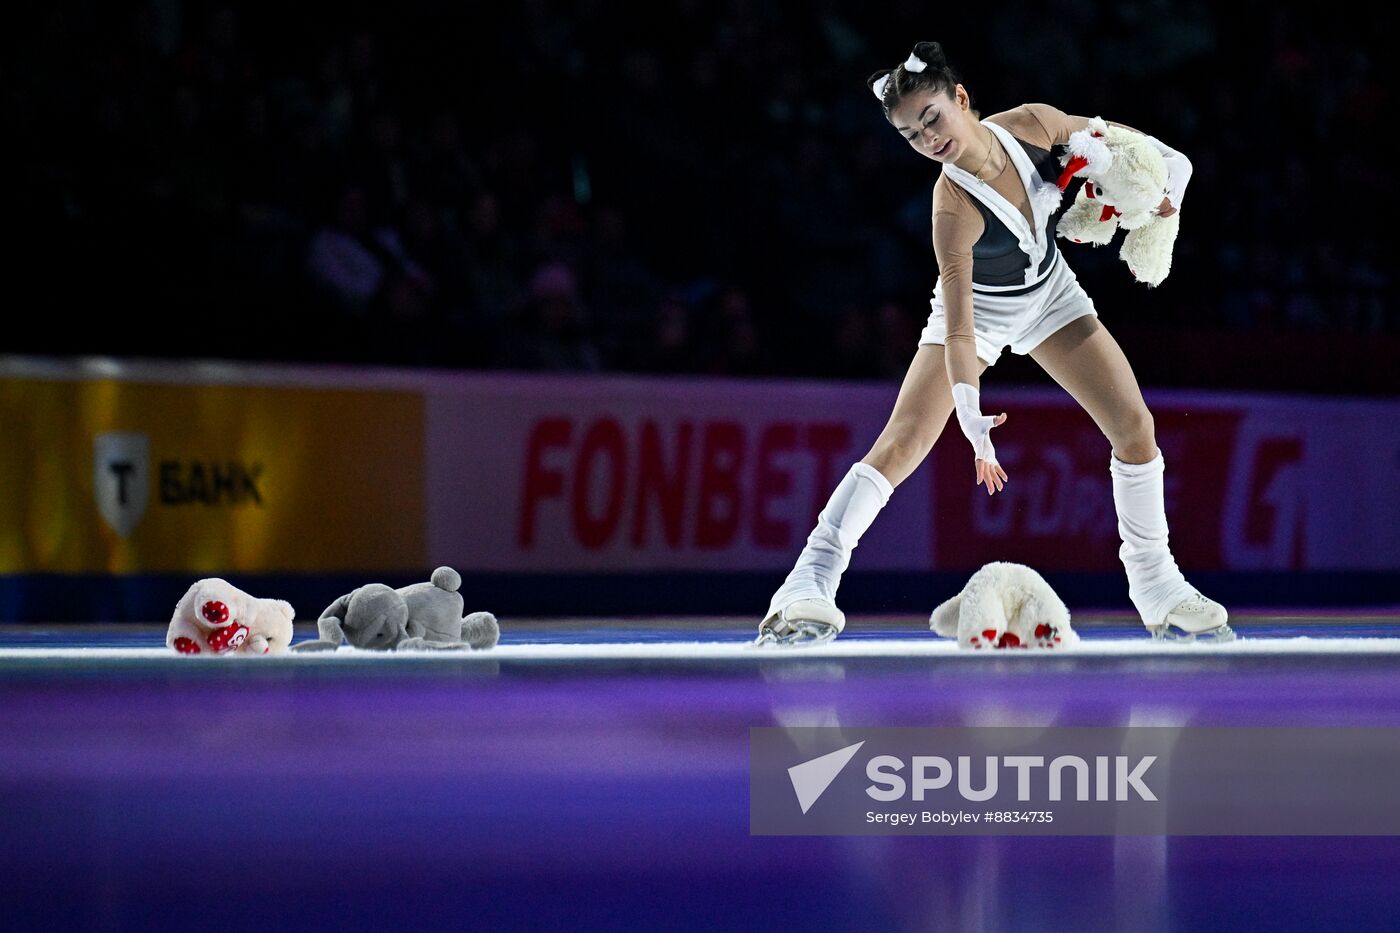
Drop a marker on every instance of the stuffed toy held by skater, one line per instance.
(1126, 178)
(216, 617)
(423, 616)
(1005, 606)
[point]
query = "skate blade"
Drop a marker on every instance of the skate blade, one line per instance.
(1166, 633)
(804, 634)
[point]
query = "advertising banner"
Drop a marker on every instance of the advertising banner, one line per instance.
(115, 476)
(179, 468)
(612, 475)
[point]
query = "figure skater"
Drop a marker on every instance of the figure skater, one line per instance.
(1002, 282)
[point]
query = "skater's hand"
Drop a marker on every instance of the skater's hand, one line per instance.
(977, 428)
(1165, 209)
(989, 472)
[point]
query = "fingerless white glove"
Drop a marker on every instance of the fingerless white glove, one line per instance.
(1178, 171)
(976, 426)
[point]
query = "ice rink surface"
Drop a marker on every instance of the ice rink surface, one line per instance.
(594, 774)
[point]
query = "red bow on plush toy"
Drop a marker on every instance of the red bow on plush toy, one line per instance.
(1124, 180)
(1072, 167)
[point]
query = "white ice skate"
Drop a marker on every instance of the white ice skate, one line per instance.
(805, 623)
(1195, 618)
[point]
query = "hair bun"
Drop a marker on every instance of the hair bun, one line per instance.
(932, 54)
(926, 69)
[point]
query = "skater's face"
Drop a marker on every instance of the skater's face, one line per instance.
(936, 123)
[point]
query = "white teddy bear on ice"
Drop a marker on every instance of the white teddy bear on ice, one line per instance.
(1005, 606)
(216, 617)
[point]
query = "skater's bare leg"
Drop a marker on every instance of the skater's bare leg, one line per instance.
(803, 610)
(1084, 358)
(920, 412)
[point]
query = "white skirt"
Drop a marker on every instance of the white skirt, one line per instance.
(1021, 322)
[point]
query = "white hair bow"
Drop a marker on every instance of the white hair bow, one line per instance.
(914, 63)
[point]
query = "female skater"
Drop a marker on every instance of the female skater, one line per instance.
(1002, 282)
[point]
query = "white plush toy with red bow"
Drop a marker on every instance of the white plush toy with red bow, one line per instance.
(216, 617)
(1126, 176)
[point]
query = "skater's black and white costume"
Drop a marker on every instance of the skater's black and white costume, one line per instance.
(995, 239)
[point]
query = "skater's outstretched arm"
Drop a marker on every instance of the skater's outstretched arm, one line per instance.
(956, 227)
(954, 233)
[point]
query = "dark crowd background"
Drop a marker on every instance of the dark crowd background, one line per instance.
(699, 186)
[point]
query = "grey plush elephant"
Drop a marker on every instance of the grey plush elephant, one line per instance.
(423, 616)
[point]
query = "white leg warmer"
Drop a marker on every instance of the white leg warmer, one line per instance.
(858, 498)
(1155, 585)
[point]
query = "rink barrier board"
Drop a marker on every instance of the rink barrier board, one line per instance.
(675, 495)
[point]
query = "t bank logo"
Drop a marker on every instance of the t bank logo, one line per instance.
(122, 480)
